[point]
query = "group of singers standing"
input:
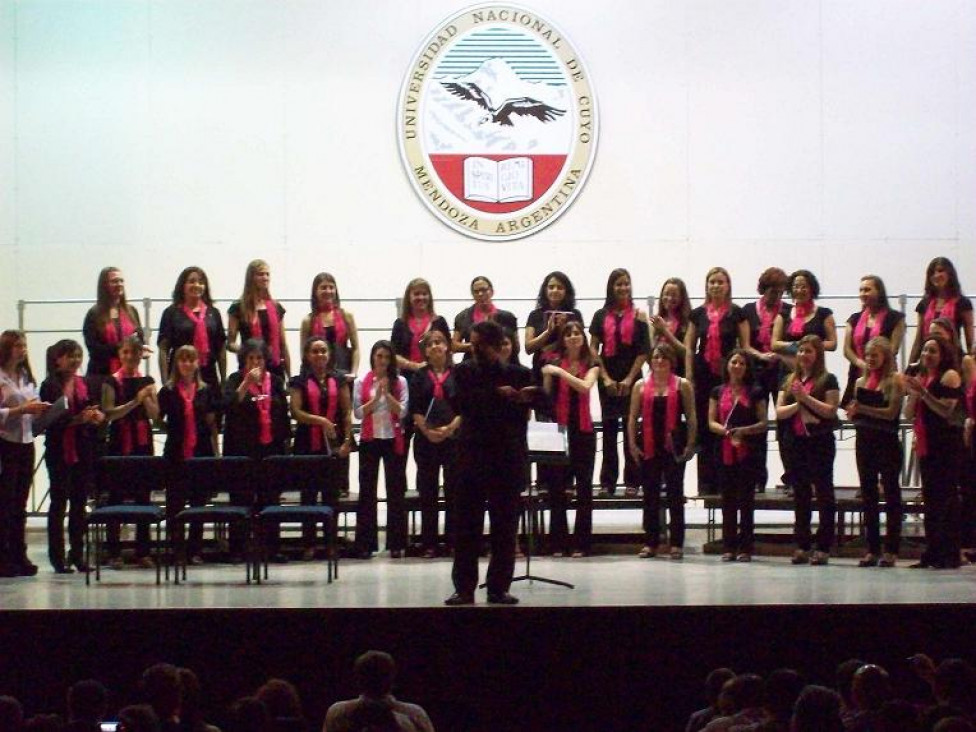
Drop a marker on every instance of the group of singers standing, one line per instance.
(712, 373)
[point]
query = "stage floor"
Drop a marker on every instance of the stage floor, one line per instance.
(600, 581)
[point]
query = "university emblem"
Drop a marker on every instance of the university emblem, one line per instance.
(497, 122)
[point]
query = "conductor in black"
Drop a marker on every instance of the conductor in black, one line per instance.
(493, 399)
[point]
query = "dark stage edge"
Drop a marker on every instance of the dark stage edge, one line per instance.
(476, 668)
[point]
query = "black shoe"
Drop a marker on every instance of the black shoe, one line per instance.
(460, 598)
(503, 598)
(26, 569)
(62, 569)
(921, 564)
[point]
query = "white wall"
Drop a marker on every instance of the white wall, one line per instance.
(835, 135)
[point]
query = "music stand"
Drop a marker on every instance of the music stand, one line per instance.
(548, 444)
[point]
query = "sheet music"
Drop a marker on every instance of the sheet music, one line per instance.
(547, 437)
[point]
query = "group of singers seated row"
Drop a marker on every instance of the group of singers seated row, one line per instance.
(713, 369)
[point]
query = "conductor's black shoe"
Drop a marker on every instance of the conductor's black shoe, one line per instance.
(460, 598)
(503, 598)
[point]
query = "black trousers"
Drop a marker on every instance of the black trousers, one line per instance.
(495, 480)
(813, 467)
(879, 455)
(180, 494)
(323, 491)
(940, 497)
(371, 452)
(135, 496)
(614, 423)
(967, 495)
(70, 486)
(582, 455)
(708, 463)
(653, 471)
(16, 468)
(431, 459)
(738, 486)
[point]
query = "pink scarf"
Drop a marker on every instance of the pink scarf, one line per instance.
(418, 328)
(201, 341)
(366, 429)
(921, 432)
(767, 314)
(627, 321)
(273, 336)
(114, 334)
(188, 394)
(731, 453)
(438, 382)
(863, 334)
(673, 323)
(77, 402)
(670, 415)
(874, 380)
(799, 426)
(126, 424)
(262, 400)
(563, 396)
(479, 315)
(931, 313)
(338, 324)
(713, 340)
(801, 311)
(315, 407)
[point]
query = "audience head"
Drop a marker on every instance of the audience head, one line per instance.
(870, 688)
(744, 691)
(714, 682)
(783, 687)
(161, 688)
(899, 715)
(955, 682)
(190, 700)
(44, 723)
(250, 715)
(281, 699)
(844, 679)
(11, 714)
(87, 701)
(817, 710)
(374, 672)
(138, 718)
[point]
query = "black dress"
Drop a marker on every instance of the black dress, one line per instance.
(176, 329)
(465, 319)
(891, 321)
(248, 332)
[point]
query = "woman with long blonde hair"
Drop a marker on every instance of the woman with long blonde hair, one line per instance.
(257, 315)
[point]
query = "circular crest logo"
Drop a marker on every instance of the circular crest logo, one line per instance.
(497, 122)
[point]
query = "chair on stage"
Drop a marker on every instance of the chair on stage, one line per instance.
(233, 477)
(295, 473)
(123, 478)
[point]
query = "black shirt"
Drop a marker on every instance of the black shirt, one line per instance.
(205, 401)
(619, 365)
(176, 329)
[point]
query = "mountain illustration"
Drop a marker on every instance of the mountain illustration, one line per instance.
(497, 89)
(458, 122)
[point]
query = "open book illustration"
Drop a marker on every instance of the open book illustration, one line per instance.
(500, 181)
